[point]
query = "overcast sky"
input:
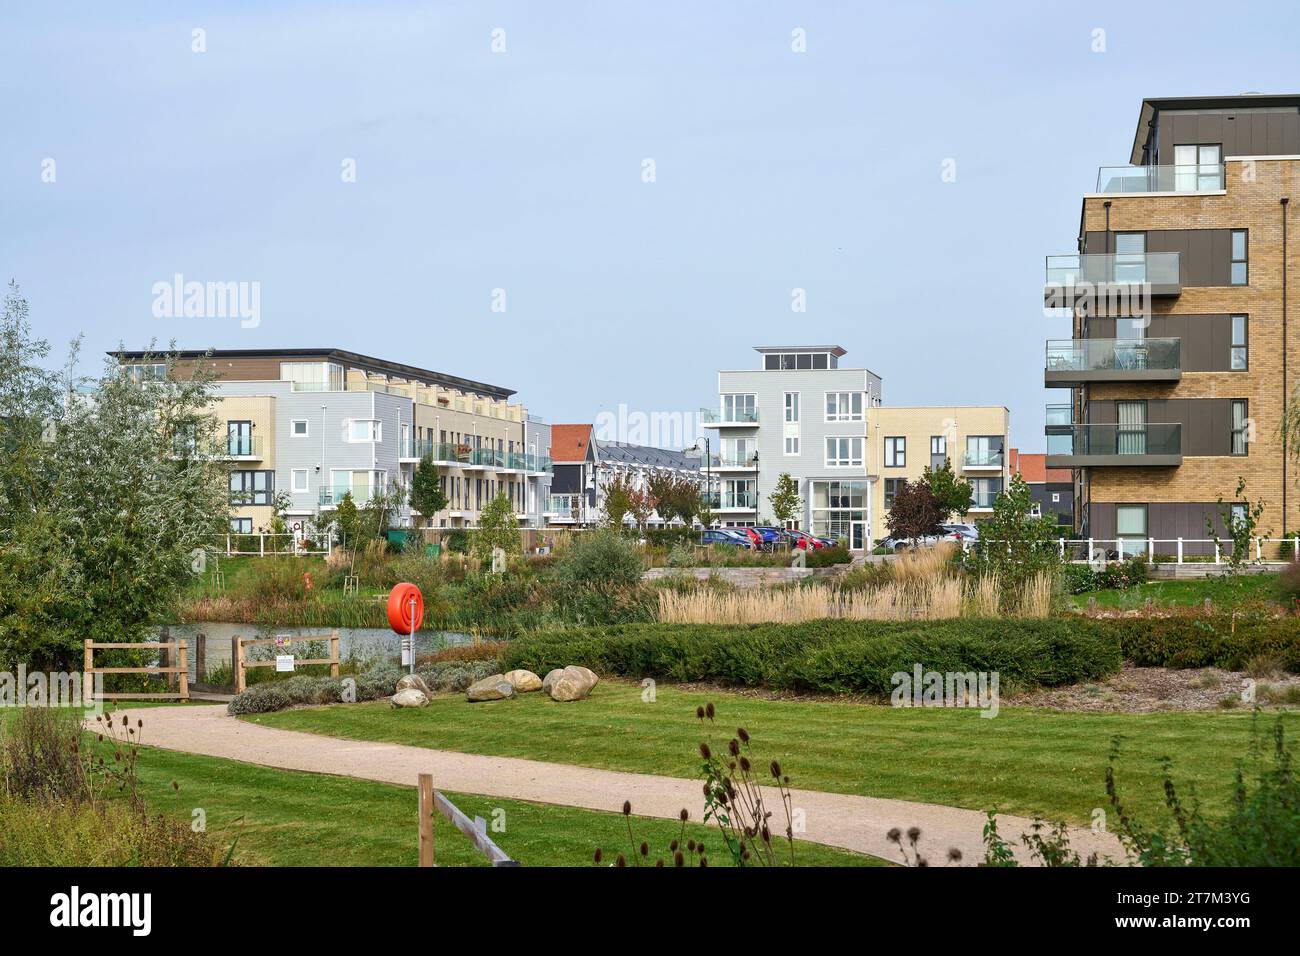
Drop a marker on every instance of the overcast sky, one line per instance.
(525, 171)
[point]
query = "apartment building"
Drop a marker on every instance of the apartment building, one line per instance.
(1178, 300)
(907, 441)
(315, 424)
(1052, 489)
(802, 413)
(584, 466)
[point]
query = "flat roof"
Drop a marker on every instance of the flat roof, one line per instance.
(1154, 104)
(833, 349)
(342, 355)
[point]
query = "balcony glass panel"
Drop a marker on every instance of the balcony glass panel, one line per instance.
(1088, 355)
(1157, 268)
(1110, 439)
(1182, 178)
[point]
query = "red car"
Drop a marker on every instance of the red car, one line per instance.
(802, 539)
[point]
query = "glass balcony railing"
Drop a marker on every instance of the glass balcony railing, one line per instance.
(729, 499)
(333, 494)
(1195, 178)
(984, 458)
(244, 446)
(1117, 440)
(488, 458)
(1120, 355)
(1060, 415)
(569, 505)
(733, 460)
(983, 496)
(1155, 268)
(729, 416)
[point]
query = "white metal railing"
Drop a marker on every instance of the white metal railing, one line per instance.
(1084, 550)
(261, 543)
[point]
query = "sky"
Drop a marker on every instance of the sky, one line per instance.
(595, 204)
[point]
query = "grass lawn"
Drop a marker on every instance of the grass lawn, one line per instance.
(1023, 761)
(1223, 591)
(288, 818)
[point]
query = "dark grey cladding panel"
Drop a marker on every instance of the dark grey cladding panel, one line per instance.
(567, 480)
(1207, 422)
(1205, 341)
(1166, 521)
(1204, 254)
(1242, 132)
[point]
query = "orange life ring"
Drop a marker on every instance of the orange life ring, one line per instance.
(400, 608)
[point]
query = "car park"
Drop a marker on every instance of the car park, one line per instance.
(728, 536)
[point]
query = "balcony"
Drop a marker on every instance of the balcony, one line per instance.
(1110, 445)
(1114, 276)
(1081, 361)
(414, 449)
(330, 495)
(721, 418)
(1131, 180)
(991, 459)
(732, 462)
(730, 500)
(564, 506)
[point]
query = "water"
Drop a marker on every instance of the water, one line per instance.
(365, 644)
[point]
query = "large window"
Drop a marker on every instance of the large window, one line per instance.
(1239, 357)
(363, 430)
(312, 376)
(896, 452)
(843, 452)
(145, 373)
(239, 438)
(938, 451)
(298, 480)
(1131, 526)
(791, 406)
(252, 487)
(1131, 257)
(241, 525)
(835, 506)
(984, 450)
(985, 491)
(1240, 427)
(1131, 430)
(786, 361)
(844, 406)
(1240, 268)
(792, 444)
(1197, 167)
(738, 408)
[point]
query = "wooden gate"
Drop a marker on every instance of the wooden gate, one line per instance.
(181, 669)
(240, 663)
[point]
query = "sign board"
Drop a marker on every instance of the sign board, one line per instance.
(283, 662)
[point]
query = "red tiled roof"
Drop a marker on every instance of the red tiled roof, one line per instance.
(570, 442)
(1033, 468)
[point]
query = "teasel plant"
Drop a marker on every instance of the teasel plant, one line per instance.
(682, 852)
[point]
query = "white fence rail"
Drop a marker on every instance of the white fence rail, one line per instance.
(261, 544)
(1086, 550)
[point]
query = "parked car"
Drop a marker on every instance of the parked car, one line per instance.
(802, 539)
(961, 532)
(731, 536)
(768, 538)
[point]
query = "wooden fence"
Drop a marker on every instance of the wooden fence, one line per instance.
(475, 830)
(178, 672)
(240, 663)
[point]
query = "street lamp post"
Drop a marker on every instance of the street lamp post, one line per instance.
(708, 464)
(755, 459)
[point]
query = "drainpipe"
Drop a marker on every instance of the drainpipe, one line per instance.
(1285, 393)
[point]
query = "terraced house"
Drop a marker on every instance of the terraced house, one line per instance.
(1178, 296)
(316, 424)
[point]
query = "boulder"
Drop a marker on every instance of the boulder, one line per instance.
(524, 681)
(550, 678)
(414, 682)
(572, 683)
(410, 697)
(495, 687)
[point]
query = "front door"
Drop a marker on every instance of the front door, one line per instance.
(857, 535)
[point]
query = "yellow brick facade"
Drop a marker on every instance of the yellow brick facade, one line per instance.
(1253, 191)
(260, 410)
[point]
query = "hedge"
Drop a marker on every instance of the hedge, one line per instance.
(1208, 640)
(829, 656)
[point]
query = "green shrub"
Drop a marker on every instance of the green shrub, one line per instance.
(374, 683)
(1196, 640)
(681, 556)
(457, 541)
(830, 656)
(601, 557)
(279, 578)
(828, 557)
(670, 537)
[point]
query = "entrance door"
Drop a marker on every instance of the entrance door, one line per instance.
(857, 535)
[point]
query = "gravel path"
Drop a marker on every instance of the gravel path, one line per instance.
(840, 820)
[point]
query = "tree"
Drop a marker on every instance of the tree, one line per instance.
(1241, 525)
(348, 520)
(663, 487)
(104, 515)
(427, 496)
(785, 499)
(915, 513)
(497, 528)
(1014, 543)
(641, 504)
(618, 500)
(954, 494)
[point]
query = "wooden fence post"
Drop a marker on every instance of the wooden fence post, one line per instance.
(167, 659)
(200, 658)
(334, 654)
(426, 819)
(183, 654)
(238, 663)
(87, 678)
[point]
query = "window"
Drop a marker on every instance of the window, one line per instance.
(796, 360)
(738, 408)
(791, 406)
(792, 444)
(843, 452)
(986, 491)
(984, 450)
(844, 406)
(892, 485)
(298, 428)
(298, 480)
(896, 452)
(1197, 167)
(239, 438)
(241, 525)
(1240, 271)
(313, 376)
(251, 487)
(1240, 426)
(1131, 526)
(1238, 516)
(363, 429)
(1130, 257)
(145, 373)
(1056, 497)
(1131, 428)
(938, 451)
(1238, 355)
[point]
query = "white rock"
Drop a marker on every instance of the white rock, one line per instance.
(414, 682)
(495, 687)
(410, 697)
(525, 681)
